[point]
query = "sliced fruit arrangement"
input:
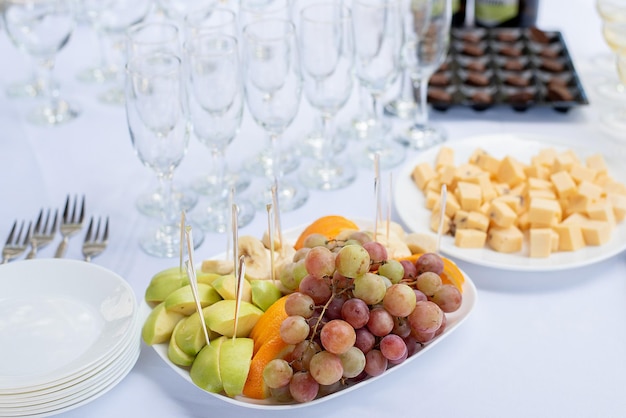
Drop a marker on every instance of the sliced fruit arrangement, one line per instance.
(345, 304)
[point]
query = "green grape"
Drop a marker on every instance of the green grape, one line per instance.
(353, 362)
(294, 329)
(399, 300)
(393, 270)
(352, 261)
(370, 287)
(428, 282)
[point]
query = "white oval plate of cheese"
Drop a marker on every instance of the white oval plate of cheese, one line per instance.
(410, 201)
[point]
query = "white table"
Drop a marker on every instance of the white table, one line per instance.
(536, 344)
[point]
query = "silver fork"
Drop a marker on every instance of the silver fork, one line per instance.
(71, 223)
(94, 245)
(42, 236)
(15, 245)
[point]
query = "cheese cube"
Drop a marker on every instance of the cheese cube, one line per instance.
(618, 202)
(469, 195)
(467, 171)
(470, 238)
(431, 199)
(422, 173)
(563, 162)
(544, 212)
(590, 190)
(515, 202)
(447, 174)
(476, 154)
(488, 163)
(540, 242)
(435, 221)
(433, 184)
(452, 204)
(596, 162)
(545, 157)
(601, 211)
(570, 236)
(537, 171)
(611, 186)
(445, 156)
(563, 183)
(555, 241)
(483, 180)
(576, 218)
(576, 204)
(543, 193)
(502, 189)
(538, 183)
(501, 214)
(596, 232)
(470, 220)
(581, 173)
(511, 171)
(505, 240)
(522, 221)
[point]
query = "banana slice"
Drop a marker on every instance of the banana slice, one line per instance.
(221, 267)
(257, 258)
(421, 243)
(396, 247)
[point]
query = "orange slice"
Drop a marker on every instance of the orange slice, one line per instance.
(329, 226)
(268, 324)
(273, 348)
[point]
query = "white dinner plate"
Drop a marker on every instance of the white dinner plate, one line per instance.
(58, 319)
(454, 319)
(409, 203)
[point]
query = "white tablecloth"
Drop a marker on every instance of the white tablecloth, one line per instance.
(536, 344)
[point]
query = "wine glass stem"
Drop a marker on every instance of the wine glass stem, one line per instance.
(276, 169)
(421, 113)
(367, 105)
(168, 211)
(406, 87)
(328, 135)
(218, 167)
(45, 69)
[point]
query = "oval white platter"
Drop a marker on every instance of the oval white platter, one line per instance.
(409, 203)
(454, 320)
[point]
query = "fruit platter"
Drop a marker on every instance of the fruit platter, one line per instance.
(331, 308)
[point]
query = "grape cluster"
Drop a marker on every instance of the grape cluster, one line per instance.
(353, 313)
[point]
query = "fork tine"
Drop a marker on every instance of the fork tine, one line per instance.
(27, 236)
(105, 236)
(10, 237)
(38, 223)
(89, 230)
(81, 216)
(55, 224)
(66, 210)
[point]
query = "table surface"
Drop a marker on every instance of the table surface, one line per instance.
(536, 344)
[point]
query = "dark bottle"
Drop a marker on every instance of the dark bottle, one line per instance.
(458, 13)
(505, 13)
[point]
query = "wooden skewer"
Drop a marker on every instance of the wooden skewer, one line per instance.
(241, 272)
(191, 272)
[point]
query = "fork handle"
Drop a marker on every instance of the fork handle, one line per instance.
(61, 249)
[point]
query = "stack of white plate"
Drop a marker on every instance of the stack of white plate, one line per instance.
(69, 332)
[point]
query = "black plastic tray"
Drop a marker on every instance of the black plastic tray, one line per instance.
(516, 67)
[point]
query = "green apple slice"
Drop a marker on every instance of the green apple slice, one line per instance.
(205, 369)
(220, 317)
(182, 300)
(235, 359)
(159, 325)
(190, 336)
(175, 353)
(264, 293)
(163, 283)
(226, 286)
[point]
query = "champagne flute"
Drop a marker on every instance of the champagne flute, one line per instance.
(220, 21)
(176, 10)
(251, 11)
(327, 54)
(423, 53)
(273, 88)
(148, 38)
(378, 31)
(612, 11)
(615, 34)
(215, 94)
(158, 127)
(112, 19)
(42, 28)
